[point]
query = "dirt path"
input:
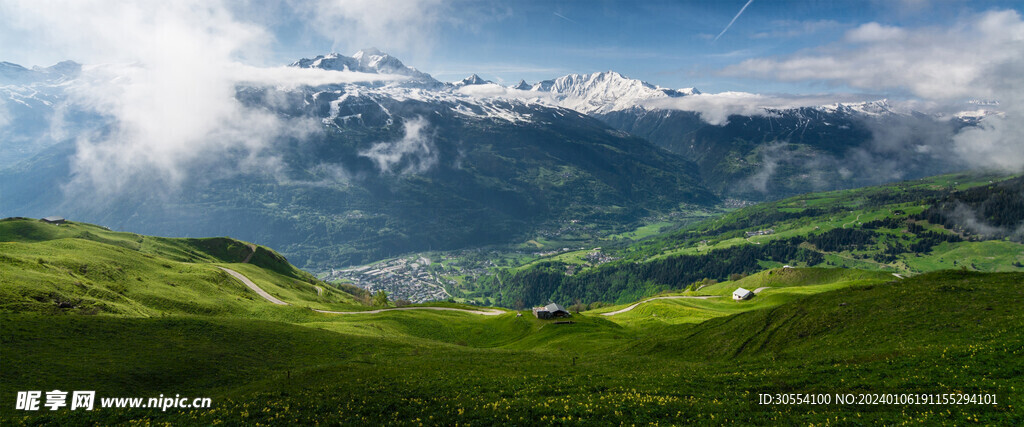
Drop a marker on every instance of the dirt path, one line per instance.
(898, 276)
(252, 251)
(253, 286)
(319, 290)
(853, 222)
(758, 290)
(612, 313)
(483, 312)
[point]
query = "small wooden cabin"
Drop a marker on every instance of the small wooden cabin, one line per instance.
(741, 294)
(550, 311)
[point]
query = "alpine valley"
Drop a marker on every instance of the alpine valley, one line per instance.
(587, 250)
(408, 164)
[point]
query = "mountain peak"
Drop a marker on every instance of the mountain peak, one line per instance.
(604, 92)
(873, 108)
(522, 85)
(369, 60)
(370, 51)
(472, 80)
(14, 73)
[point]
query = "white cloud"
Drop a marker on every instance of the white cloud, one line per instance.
(715, 108)
(932, 63)
(979, 57)
(873, 32)
(996, 143)
(167, 84)
(291, 77)
(498, 91)
(4, 115)
(415, 149)
(394, 26)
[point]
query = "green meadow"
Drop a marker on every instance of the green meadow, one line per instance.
(136, 316)
(126, 315)
(949, 332)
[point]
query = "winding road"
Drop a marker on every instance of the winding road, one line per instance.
(319, 290)
(253, 286)
(612, 313)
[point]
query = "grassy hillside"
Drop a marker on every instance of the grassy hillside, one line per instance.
(946, 332)
(78, 268)
(885, 228)
(933, 311)
(775, 287)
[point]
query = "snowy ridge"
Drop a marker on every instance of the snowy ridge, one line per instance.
(585, 93)
(349, 102)
(591, 94)
(38, 87)
(368, 61)
(871, 108)
(11, 73)
(602, 92)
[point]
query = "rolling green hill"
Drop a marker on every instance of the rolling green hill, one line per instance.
(85, 269)
(886, 228)
(945, 332)
(931, 311)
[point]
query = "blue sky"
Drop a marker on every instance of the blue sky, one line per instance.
(670, 43)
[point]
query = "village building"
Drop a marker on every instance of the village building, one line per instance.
(760, 232)
(741, 294)
(56, 220)
(550, 311)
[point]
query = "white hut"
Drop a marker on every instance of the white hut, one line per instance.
(741, 294)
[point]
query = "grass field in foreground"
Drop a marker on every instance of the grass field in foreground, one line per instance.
(945, 332)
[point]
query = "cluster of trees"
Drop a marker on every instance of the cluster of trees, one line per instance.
(762, 218)
(989, 212)
(624, 281)
(840, 239)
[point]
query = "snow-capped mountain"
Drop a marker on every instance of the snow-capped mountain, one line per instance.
(30, 95)
(485, 151)
(871, 108)
(368, 61)
(602, 92)
(471, 80)
(595, 93)
(522, 85)
(28, 99)
(11, 73)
